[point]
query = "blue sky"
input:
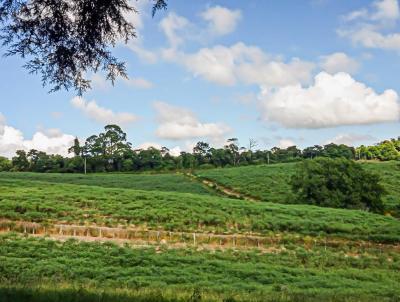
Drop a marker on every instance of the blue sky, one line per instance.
(282, 72)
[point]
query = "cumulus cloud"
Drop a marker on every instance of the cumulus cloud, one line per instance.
(333, 100)
(51, 141)
(222, 20)
(102, 115)
(178, 29)
(350, 139)
(178, 123)
(369, 27)
(246, 64)
(338, 62)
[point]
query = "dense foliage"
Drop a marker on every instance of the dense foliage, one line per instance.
(337, 183)
(110, 151)
(386, 150)
(47, 202)
(318, 274)
(63, 40)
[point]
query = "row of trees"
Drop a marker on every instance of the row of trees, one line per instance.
(386, 150)
(110, 151)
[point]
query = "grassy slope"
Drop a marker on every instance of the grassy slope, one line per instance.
(147, 182)
(320, 272)
(270, 182)
(265, 182)
(40, 201)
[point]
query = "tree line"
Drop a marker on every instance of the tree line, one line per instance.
(109, 151)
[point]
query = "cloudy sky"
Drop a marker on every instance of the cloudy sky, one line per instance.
(281, 72)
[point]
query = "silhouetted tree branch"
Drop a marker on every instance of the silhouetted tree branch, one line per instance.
(63, 40)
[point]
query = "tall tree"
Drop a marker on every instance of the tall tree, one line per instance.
(75, 148)
(20, 161)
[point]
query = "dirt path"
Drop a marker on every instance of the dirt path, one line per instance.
(229, 192)
(142, 237)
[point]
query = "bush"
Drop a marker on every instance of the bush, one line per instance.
(337, 183)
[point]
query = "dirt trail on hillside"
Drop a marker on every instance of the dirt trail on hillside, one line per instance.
(229, 192)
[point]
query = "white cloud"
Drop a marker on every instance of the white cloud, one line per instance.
(333, 100)
(178, 123)
(369, 37)
(222, 20)
(371, 30)
(338, 62)
(147, 145)
(51, 141)
(350, 139)
(139, 83)
(178, 29)
(101, 114)
(286, 143)
(175, 151)
(357, 14)
(381, 10)
(2, 123)
(241, 63)
(171, 25)
(148, 56)
(386, 10)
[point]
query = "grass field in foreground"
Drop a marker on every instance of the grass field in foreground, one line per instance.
(271, 182)
(148, 182)
(318, 272)
(46, 202)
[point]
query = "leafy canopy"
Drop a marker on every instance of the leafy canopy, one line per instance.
(337, 183)
(64, 39)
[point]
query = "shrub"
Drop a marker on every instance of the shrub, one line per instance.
(337, 183)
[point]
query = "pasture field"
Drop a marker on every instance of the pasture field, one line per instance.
(318, 274)
(322, 254)
(78, 204)
(148, 182)
(271, 182)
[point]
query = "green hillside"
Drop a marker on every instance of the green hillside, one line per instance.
(148, 182)
(271, 182)
(307, 253)
(41, 201)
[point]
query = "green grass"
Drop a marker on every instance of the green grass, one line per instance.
(147, 182)
(295, 271)
(271, 182)
(47, 202)
(390, 173)
(265, 182)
